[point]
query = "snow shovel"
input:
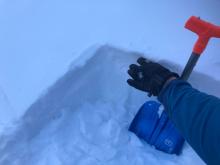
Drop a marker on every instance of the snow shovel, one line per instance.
(151, 123)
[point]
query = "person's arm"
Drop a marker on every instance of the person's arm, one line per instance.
(197, 116)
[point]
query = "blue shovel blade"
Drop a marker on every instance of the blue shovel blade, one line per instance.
(145, 121)
(156, 129)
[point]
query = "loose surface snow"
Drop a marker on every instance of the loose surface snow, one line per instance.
(84, 118)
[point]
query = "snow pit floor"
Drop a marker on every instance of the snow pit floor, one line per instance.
(83, 118)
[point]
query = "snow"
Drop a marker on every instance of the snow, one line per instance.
(6, 111)
(38, 41)
(39, 38)
(84, 118)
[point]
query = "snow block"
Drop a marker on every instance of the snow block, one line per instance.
(154, 126)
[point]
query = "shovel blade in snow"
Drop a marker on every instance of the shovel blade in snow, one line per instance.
(153, 126)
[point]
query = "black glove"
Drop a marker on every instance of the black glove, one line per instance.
(149, 76)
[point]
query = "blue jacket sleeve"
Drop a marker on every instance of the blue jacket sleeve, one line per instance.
(197, 116)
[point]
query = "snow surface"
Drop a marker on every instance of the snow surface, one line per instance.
(84, 117)
(39, 39)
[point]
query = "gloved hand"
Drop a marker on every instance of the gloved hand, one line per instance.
(149, 76)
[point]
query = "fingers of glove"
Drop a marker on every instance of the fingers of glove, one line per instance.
(142, 61)
(133, 74)
(134, 71)
(135, 84)
(134, 67)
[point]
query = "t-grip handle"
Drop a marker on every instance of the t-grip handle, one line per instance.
(205, 31)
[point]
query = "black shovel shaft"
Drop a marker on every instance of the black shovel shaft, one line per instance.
(189, 66)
